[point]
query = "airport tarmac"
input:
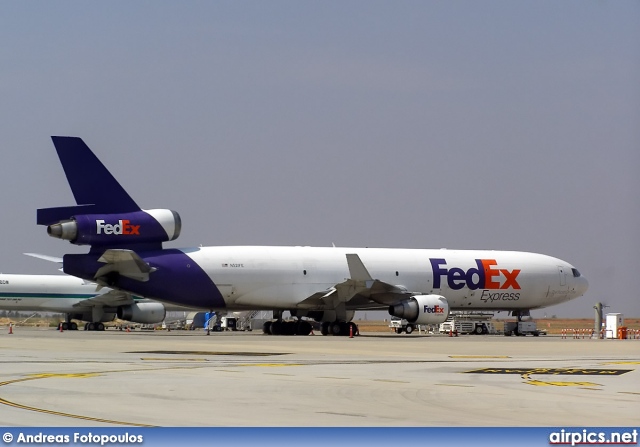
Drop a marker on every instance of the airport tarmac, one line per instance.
(185, 378)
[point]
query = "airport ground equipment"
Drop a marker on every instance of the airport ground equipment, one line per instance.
(522, 328)
(400, 325)
(477, 323)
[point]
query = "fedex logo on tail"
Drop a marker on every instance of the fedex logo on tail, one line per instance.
(486, 276)
(122, 227)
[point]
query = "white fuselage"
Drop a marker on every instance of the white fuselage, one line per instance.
(262, 277)
(46, 293)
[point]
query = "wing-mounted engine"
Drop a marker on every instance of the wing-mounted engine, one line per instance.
(422, 309)
(145, 313)
(137, 227)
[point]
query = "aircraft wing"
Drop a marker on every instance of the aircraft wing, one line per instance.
(112, 298)
(360, 290)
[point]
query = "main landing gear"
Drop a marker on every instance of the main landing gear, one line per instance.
(339, 328)
(280, 327)
(94, 327)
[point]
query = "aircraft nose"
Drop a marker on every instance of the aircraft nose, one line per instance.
(582, 285)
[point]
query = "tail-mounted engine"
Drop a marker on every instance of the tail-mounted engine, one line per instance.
(138, 227)
(422, 309)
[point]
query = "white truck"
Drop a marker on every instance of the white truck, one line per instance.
(468, 323)
(401, 325)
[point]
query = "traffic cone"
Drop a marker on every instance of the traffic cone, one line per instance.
(10, 328)
(61, 327)
(450, 332)
(128, 329)
(350, 331)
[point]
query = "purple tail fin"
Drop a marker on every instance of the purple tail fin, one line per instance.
(93, 186)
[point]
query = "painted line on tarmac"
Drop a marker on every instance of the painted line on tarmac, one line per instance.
(40, 376)
(158, 359)
(270, 365)
(622, 363)
(479, 357)
(59, 413)
(212, 353)
(525, 374)
(553, 371)
(454, 384)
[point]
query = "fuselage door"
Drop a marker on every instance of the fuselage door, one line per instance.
(563, 276)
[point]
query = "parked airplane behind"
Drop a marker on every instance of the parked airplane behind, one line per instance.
(76, 298)
(327, 284)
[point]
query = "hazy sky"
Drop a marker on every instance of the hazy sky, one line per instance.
(459, 124)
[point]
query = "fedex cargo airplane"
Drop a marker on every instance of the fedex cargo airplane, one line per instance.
(76, 298)
(324, 283)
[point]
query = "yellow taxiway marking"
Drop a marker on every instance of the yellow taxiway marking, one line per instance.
(628, 392)
(157, 359)
(59, 413)
(543, 383)
(63, 376)
(479, 357)
(270, 365)
(75, 376)
(530, 381)
(454, 384)
(622, 363)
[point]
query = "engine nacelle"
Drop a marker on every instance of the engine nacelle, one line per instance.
(142, 226)
(422, 309)
(146, 313)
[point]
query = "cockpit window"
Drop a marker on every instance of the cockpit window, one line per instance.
(576, 273)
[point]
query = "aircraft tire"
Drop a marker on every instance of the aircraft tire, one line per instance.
(276, 328)
(303, 328)
(409, 328)
(266, 328)
(99, 327)
(91, 326)
(398, 330)
(324, 330)
(73, 326)
(336, 328)
(478, 330)
(290, 328)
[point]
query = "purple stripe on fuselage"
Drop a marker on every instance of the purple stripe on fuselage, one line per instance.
(178, 279)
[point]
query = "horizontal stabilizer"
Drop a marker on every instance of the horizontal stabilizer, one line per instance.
(49, 216)
(45, 257)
